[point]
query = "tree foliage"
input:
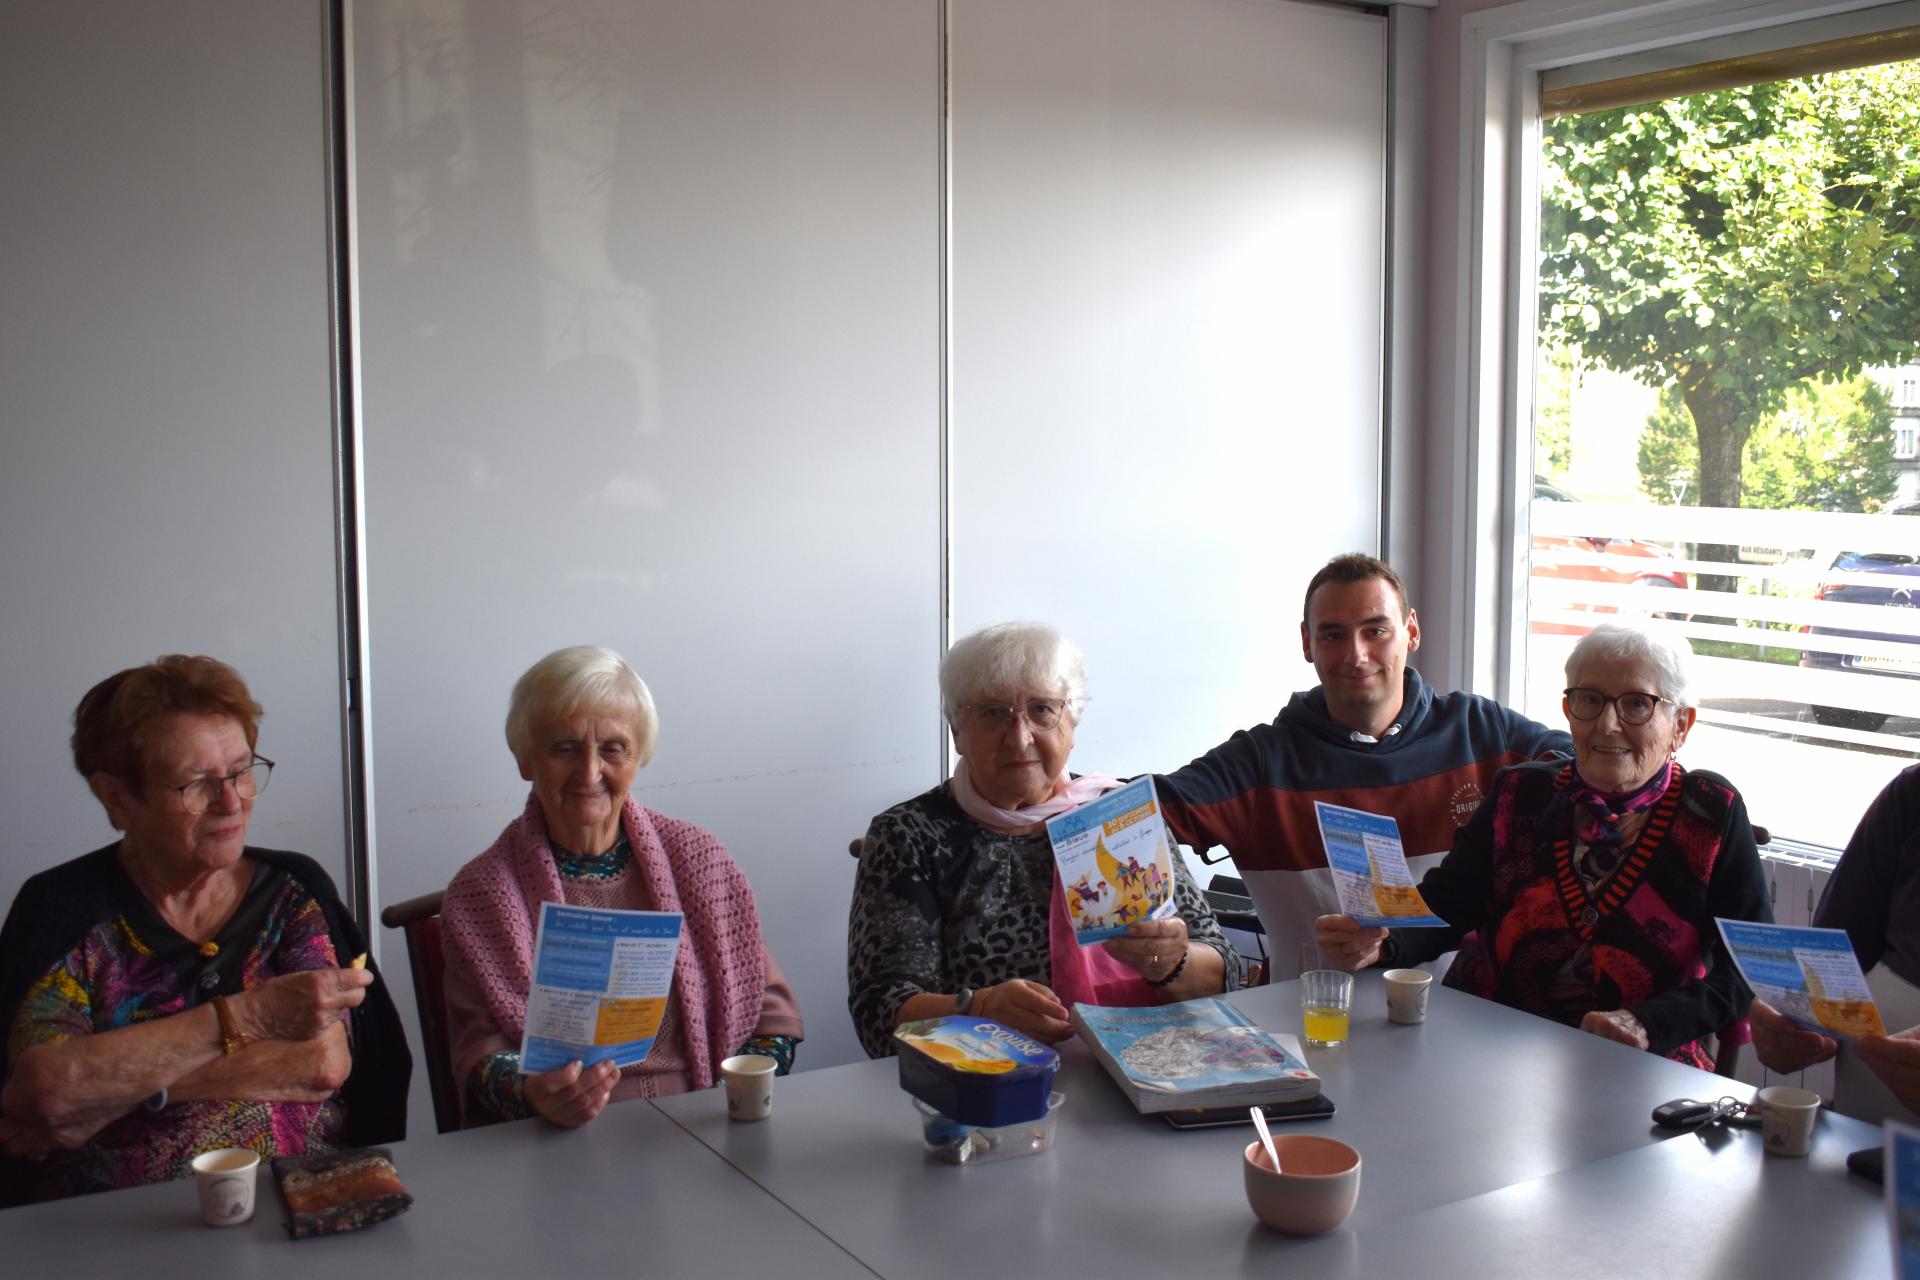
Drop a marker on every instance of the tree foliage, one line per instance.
(1735, 244)
(1555, 375)
(1829, 447)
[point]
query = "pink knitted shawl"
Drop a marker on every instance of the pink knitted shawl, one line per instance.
(719, 978)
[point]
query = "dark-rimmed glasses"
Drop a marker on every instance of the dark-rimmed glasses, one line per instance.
(1042, 714)
(1632, 708)
(199, 795)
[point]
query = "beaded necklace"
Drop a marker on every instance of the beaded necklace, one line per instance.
(594, 866)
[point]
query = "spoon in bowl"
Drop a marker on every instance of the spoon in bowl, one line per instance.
(1266, 1136)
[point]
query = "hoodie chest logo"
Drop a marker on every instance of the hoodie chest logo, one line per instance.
(1465, 799)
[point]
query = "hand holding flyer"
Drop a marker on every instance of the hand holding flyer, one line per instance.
(1370, 870)
(600, 982)
(1115, 863)
(1810, 975)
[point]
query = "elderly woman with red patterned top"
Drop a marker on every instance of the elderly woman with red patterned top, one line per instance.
(1587, 892)
(179, 990)
(581, 724)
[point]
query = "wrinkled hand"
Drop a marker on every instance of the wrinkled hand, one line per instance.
(1153, 947)
(1782, 1044)
(1896, 1060)
(1616, 1024)
(1346, 944)
(299, 1006)
(1025, 1006)
(570, 1096)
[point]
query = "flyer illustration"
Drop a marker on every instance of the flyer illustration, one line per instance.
(1115, 861)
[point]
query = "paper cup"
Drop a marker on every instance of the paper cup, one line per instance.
(1786, 1119)
(225, 1182)
(748, 1078)
(1407, 994)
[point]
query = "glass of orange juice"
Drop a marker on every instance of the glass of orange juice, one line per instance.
(1326, 1000)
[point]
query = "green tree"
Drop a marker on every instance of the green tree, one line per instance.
(1829, 447)
(1734, 244)
(1555, 375)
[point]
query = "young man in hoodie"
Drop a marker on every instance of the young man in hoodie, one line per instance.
(1373, 735)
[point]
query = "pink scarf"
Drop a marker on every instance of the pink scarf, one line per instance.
(1081, 975)
(719, 976)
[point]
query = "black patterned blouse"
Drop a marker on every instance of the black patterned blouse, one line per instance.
(941, 902)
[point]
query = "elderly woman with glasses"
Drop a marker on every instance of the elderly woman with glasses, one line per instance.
(581, 724)
(957, 907)
(180, 990)
(1587, 892)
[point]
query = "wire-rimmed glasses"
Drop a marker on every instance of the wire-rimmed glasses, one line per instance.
(200, 795)
(1042, 714)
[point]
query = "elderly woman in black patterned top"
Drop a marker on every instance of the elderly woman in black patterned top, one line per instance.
(956, 906)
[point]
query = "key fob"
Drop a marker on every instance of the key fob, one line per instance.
(1681, 1113)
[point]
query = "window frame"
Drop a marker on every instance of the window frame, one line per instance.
(1503, 53)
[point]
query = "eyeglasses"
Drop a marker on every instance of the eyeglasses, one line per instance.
(1632, 708)
(1042, 714)
(200, 795)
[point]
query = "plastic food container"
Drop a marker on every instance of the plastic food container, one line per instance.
(951, 1142)
(976, 1071)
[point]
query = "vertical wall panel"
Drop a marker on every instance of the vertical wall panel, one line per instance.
(167, 482)
(650, 312)
(1166, 299)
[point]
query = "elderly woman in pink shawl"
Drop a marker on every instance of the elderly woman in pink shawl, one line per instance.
(957, 907)
(581, 724)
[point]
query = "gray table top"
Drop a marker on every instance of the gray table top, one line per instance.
(1478, 1113)
(630, 1194)
(1494, 1143)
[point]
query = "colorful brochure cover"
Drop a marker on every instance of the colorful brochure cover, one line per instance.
(1115, 861)
(1370, 869)
(1811, 975)
(1198, 1053)
(1902, 1164)
(600, 981)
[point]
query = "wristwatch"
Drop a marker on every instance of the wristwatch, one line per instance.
(962, 1000)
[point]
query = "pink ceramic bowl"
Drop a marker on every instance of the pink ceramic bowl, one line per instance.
(1315, 1190)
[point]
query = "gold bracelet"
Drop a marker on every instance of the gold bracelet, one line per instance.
(231, 1041)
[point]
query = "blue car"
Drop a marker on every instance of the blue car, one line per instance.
(1901, 594)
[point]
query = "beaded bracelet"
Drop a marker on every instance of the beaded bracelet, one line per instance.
(1174, 973)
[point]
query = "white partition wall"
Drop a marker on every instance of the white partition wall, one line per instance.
(656, 350)
(1167, 237)
(167, 479)
(650, 307)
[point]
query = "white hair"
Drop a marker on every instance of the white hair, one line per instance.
(1012, 655)
(584, 678)
(1665, 651)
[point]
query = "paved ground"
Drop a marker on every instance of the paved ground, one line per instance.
(1804, 788)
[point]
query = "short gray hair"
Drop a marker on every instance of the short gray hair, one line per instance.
(584, 678)
(1011, 654)
(1665, 651)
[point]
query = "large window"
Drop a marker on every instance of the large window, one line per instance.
(1728, 301)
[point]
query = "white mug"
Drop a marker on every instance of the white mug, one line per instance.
(225, 1181)
(1786, 1119)
(1407, 994)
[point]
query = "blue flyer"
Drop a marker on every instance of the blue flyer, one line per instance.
(1810, 975)
(1370, 871)
(600, 983)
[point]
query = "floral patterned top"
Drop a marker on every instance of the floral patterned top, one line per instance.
(134, 968)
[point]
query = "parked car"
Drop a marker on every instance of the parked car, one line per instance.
(1898, 587)
(1621, 560)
